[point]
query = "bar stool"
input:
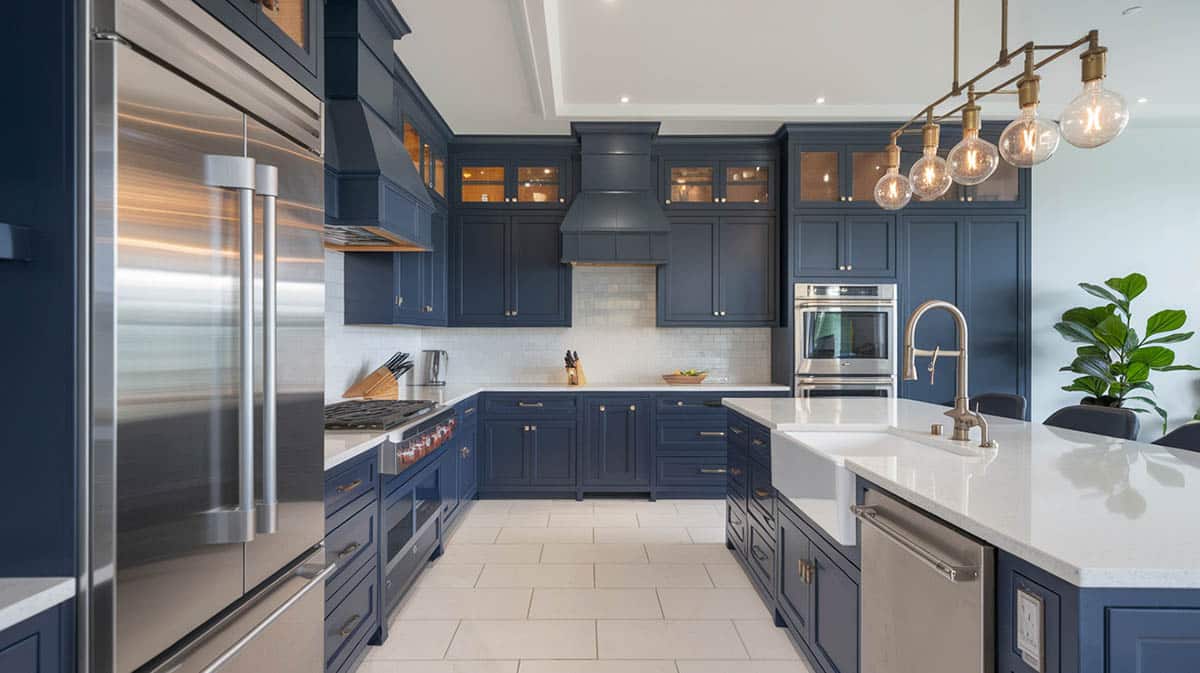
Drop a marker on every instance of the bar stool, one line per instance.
(999, 404)
(1107, 421)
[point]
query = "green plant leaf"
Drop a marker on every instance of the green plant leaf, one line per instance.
(1087, 384)
(1078, 333)
(1094, 367)
(1105, 294)
(1088, 316)
(1165, 320)
(1137, 371)
(1141, 385)
(1130, 286)
(1179, 368)
(1112, 332)
(1091, 352)
(1171, 338)
(1156, 357)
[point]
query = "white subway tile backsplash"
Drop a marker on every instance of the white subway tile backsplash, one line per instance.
(614, 332)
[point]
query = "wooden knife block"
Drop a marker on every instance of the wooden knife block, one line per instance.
(575, 375)
(378, 385)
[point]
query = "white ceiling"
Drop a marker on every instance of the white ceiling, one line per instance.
(532, 66)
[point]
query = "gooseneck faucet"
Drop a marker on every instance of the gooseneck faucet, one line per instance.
(964, 418)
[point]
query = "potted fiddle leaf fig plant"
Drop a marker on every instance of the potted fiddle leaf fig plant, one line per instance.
(1113, 361)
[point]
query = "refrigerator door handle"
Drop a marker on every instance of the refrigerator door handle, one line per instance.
(266, 179)
(237, 173)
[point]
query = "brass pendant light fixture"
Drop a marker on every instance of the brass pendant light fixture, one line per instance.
(1093, 118)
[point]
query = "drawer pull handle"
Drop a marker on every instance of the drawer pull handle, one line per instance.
(761, 493)
(736, 431)
(346, 488)
(735, 471)
(806, 571)
(712, 470)
(757, 442)
(468, 411)
(713, 403)
(348, 627)
(530, 405)
(350, 549)
(679, 403)
(712, 433)
(759, 554)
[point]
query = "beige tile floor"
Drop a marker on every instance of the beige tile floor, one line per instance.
(600, 586)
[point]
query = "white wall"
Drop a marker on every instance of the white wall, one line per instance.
(1128, 206)
(613, 330)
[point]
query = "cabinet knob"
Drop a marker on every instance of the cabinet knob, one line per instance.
(562, 199)
(849, 198)
(679, 403)
(849, 267)
(962, 198)
(716, 200)
(533, 428)
(428, 309)
(722, 314)
(633, 407)
(723, 199)
(526, 428)
(603, 408)
(716, 313)
(843, 198)
(970, 199)
(668, 202)
(841, 267)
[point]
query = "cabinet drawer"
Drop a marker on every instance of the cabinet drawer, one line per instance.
(405, 567)
(738, 431)
(693, 404)
(760, 553)
(738, 482)
(760, 444)
(343, 486)
(352, 544)
(694, 471)
(761, 495)
(529, 405)
(691, 434)
(736, 524)
(352, 619)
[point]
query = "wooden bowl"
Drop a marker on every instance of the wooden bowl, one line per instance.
(681, 380)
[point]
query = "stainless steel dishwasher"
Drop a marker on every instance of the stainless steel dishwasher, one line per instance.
(927, 593)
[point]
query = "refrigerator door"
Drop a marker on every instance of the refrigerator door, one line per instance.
(176, 343)
(289, 415)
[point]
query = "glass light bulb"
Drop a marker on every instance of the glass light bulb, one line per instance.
(1029, 139)
(973, 159)
(893, 191)
(1095, 117)
(930, 176)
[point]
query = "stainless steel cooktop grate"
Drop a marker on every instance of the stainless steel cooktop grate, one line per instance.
(374, 414)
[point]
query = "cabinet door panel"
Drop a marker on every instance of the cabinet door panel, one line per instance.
(505, 454)
(931, 271)
(870, 245)
(618, 441)
(748, 184)
(293, 25)
(746, 269)
(818, 173)
(479, 268)
(690, 184)
(996, 307)
(835, 615)
(370, 288)
(553, 453)
(411, 274)
(818, 245)
(435, 278)
(468, 469)
(687, 283)
(539, 283)
(795, 595)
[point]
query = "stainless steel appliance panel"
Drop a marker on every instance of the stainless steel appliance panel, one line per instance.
(927, 593)
(298, 354)
(845, 330)
(177, 365)
(836, 386)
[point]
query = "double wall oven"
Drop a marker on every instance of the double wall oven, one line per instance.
(845, 340)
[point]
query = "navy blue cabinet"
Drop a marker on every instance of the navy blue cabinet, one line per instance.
(552, 449)
(506, 271)
(844, 246)
(465, 444)
(505, 460)
(617, 444)
(515, 177)
(703, 182)
(43, 643)
(981, 264)
(721, 272)
(288, 32)
(834, 636)
(529, 455)
(399, 288)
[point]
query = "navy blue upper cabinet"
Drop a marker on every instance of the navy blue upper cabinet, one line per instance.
(690, 183)
(506, 271)
(288, 32)
(725, 174)
(514, 176)
(850, 246)
(399, 288)
(617, 436)
(721, 272)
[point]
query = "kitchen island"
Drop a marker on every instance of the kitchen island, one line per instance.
(1097, 534)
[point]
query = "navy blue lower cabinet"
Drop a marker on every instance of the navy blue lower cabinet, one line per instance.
(1149, 639)
(835, 621)
(505, 459)
(617, 441)
(795, 584)
(466, 447)
(44, 643)
(552, 449)
(448, 483)
(352, 540)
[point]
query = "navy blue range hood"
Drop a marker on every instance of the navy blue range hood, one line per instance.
(616, 218)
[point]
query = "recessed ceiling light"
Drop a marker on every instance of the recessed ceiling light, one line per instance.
(1143, 99)
(1131, 10)
(820, 100)
(624, 99)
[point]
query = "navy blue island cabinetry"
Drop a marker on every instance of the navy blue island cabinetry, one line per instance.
(43, 643)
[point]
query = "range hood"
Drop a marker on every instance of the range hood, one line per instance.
(615, 219)
(375, 199)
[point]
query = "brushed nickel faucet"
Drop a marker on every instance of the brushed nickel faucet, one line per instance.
(964, 418)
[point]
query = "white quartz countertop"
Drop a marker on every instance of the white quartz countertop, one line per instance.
(1094, 511)
(343, 445)
(24, 597)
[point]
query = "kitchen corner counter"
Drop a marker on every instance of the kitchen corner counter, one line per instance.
(24, 597)
(342, 445)
(1094, 511)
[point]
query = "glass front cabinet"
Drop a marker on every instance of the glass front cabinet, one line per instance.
(429, 161)
(289, 32)
(738, 184)
(526, 183)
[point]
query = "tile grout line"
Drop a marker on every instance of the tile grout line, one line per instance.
(741, 640)
(454, 635)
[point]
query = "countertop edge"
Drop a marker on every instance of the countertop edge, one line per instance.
(31, 596)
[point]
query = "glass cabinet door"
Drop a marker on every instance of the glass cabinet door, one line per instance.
(747, 183)
(539, 184)
(289, 23)
(690, 184)
(1003, 187)
(482, 183)
(290, 16)
(867, 165)
(819, 176)
(439, 176)
(908, 157)
(412, 144)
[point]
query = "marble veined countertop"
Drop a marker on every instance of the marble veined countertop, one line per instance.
(1092, 510)
(343, 445)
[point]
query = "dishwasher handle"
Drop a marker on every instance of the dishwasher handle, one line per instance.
(869, 515)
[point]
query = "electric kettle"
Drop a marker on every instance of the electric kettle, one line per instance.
(435, 367)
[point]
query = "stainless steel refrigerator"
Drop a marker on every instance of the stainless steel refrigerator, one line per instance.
(204, 515)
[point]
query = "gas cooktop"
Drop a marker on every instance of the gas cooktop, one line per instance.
(374, 414)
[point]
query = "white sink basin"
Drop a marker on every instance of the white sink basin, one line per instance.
(810, 469)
